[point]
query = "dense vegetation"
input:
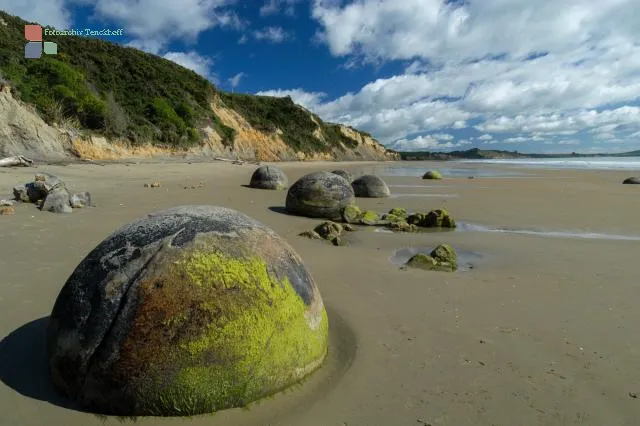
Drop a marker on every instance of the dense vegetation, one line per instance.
(122, 92)
(267, 114)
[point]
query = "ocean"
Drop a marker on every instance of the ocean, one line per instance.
(592, 163)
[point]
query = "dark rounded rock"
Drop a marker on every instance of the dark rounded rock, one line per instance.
(632, 181)
(370, 186)
(269, 177)
(319, 195)
(344, 173)
(189, 310)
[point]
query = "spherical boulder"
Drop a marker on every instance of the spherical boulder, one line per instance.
(269, 177)
(345, 174)
(432, 174)
(190, 310)
(370, 186)
(319, 195)
(632, 181)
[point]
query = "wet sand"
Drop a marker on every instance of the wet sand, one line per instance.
(541, 331)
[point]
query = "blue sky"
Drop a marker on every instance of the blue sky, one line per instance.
(544, 76)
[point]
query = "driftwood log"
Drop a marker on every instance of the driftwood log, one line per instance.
(15, 161)
(239, 162)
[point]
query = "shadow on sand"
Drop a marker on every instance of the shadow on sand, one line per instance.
(280, 209)
(23, 364)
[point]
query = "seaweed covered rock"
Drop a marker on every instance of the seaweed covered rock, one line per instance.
(189, 310)
(399, 212)
(370, 186)
(432, 174)
(319, 195)
(442, 258)
(351, 214)
(439, 218)
(369, 217)
(345, 174)
(269, 177)
(330, 231)
(402, 226)
(632, 181)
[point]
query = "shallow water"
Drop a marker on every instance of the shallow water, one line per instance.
(401, 195)
(471, 227)
(467, 260)
(595, 163)
(419, 171)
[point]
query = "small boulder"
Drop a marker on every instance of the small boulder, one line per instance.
(313, 235)
(28, 193)
(438, 218)
(402, 226)
(442, 258)
(57, 201)
(269, 177)
(80, 200)
(351, 214)
(369, 217)
(4, 202)
(632, 181)
(399, 211)
(345, 174)
(319, 195)
(7, 210)
(329, 230)
(432, 174)
(46, 182)
(370, 186)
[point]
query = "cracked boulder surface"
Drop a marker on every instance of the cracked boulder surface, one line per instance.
(319, 195)
(189, 310)
(269, 177)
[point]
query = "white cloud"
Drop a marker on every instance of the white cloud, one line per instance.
(426, 142)
(51, 12)
(515, 139)
(485, 137)
(271, 34)
(243, 39)
(161, 21)
(310, 100)
(273, 7)
(194, 62)
(235, 80)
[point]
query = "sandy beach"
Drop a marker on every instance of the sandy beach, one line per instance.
(541, 330)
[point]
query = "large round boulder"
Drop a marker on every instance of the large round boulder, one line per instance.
(632, 181)
(344, 173)
(190, 310)
(269, 177)
(370, 186)
(319, 195)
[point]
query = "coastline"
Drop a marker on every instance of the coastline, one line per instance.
(542, 330)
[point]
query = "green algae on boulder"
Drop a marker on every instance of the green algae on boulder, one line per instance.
(190, 310)
(439, 218)
(442, 258)
(351, 214)
(399, 211)
(432, 174)
(330, 231)
(269, 177)
(319, 195)
(369, 217)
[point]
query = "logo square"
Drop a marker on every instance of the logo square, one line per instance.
(33, 50)
(50, 48)
(33, 32)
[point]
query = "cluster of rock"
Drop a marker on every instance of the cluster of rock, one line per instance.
(330, 231)
(442, 258)
(50, 194)
(189, 310)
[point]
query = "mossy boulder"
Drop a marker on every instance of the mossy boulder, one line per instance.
(632, 181)
(370, 186)
(392, 218)
(269, 177)
(345, 174)
(399, 211)
(189, 310)
(319, 195)
(442, 258)
(369, 217)
(351, 214)
(432, 174)
(402, 226)
(438, 218)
